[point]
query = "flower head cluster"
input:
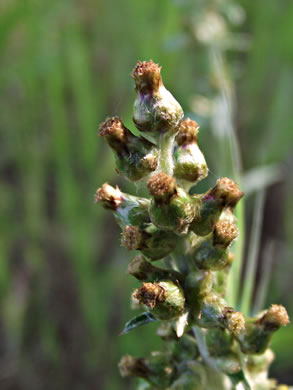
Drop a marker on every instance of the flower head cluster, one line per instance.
(202, 331)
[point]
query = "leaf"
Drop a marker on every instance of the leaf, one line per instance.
(261, 177)
(141, 319)
(240, 378)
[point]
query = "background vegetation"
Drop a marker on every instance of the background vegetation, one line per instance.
(64, 67)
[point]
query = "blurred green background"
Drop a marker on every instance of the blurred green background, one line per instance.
(64, 66)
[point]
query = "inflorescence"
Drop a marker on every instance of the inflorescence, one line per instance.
(207, 341)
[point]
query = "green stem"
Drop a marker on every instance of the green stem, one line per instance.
(166, 148)
(215, 378)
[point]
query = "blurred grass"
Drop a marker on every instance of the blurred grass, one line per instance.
(64, 67)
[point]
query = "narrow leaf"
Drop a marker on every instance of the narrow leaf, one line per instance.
(261, 177)
(253, 253)
(141, 319)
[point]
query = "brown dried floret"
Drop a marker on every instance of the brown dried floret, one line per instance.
(147, 75)
(227, 191)
(150, 294)
(162, 186)
(143, 68)
(114, 127)
(275, 317)
(188, 131)
(132, 238)
(235, 320)
(224, 233)
(108, 196)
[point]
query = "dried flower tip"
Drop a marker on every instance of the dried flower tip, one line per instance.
(234, 320)
(131, 238)
(114, 127)
(131, 366)
(108, 196)
(188, 131)
(224, 233)
(275, 317)
(147, 76)
(139, 267)
(144, 68)
(150, 294)
(227, 191)
(162, 186)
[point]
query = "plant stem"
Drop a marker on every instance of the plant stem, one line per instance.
(166, 148)
(215, 378)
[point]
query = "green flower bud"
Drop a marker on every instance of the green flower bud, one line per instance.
(197, 286)
(258, 333)
(190, 166)
(225, 194)
(162, 369)
(216, 314)
(135, 156)
(155, 110)
(172, 208)
(143, 270)
(212, 253)
(219, 341)
(157, 370)
(128, 210)
(164, 299)
(151, 241)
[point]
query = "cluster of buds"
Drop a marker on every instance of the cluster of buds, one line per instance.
(205, 336)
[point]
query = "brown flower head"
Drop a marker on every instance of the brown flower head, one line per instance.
(188, 131)
(147, 76)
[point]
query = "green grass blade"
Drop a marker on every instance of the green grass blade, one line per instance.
(251, 266)
(262, 288)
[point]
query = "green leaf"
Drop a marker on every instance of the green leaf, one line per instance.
(260, 177)
(141, 319)
(253, 254)
(240, 378)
